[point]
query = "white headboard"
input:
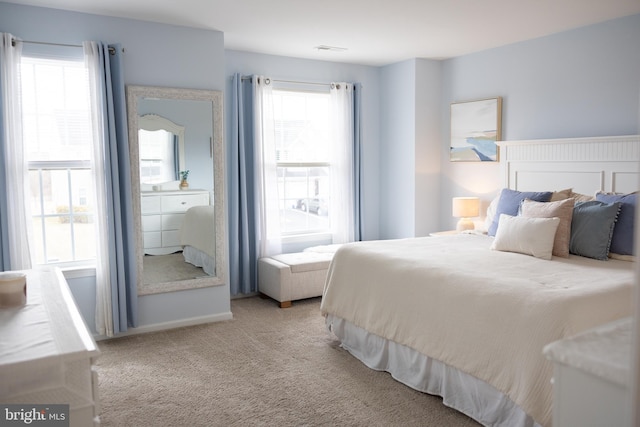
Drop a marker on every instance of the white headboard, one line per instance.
(587, 165)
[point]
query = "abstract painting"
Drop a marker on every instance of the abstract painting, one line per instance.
(475, 128)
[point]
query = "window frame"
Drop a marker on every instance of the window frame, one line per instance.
(311, 234)
(74, 268)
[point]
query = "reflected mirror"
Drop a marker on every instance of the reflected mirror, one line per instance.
(177, 167)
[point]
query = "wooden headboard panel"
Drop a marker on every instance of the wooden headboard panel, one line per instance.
(585, 164)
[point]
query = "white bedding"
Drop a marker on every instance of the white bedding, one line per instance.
(197, 236)
(483, 312)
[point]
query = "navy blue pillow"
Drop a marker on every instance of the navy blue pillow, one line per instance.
(592, 228)
(509, 203)
(624, 231)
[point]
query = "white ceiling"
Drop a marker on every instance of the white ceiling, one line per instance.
(374, 32)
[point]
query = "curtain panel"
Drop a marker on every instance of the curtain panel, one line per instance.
(357, 163)
(243, 242)
(116, 274)
(15, 227)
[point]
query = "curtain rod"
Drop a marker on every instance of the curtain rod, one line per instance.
(291, 81)
(112, 50)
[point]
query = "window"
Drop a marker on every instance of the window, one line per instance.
(58, 142)
(301, 122)
(158, 158)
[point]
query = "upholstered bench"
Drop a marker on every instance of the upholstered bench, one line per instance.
(295, 276)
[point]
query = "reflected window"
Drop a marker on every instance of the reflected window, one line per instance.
(158, 156)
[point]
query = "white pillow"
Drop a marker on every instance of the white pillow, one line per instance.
(529, 236)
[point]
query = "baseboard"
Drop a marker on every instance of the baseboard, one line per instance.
(170, 325)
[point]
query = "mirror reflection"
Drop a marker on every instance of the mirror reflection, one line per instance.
(178, 161)
(161, 144)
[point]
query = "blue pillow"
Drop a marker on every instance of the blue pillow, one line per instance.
(509, 203)
(624, 231)
(592, 228)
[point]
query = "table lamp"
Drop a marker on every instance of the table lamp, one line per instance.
(465, 208)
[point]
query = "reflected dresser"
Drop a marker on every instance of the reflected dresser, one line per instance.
(162, 216)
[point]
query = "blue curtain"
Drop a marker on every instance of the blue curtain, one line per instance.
(357, 162)
(243, 243)
(176, 156)
(122, 240)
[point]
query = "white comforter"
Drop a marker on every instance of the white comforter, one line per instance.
(484, 312)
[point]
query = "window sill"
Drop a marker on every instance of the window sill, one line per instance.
(78, 272)
(303, 238)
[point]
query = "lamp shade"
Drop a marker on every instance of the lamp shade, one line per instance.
(466, 207)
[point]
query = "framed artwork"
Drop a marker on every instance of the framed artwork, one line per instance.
(475, 128)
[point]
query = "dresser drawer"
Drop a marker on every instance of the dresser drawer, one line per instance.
(152, 239)
(171, 238)
(172, 221)
(180, 203)
(150, 204)
(151, 222)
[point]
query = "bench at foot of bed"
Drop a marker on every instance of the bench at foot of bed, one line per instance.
(295, 276)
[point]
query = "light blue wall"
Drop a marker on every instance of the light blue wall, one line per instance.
(283, 68)
(428, 150)
(583, 82)
(397, 150)
(155, 55)
(410, 148)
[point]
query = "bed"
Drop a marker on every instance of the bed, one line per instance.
(461, 317)
(197, 237)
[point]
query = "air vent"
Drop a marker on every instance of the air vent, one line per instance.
(330, 48)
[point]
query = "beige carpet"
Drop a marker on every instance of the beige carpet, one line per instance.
(168, 268)
(266, 367)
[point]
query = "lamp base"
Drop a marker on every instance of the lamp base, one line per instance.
(465, 224)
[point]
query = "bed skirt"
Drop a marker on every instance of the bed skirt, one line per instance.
(460, 391)
(199, 259)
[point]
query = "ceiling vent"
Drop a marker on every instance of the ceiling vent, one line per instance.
(331, 48)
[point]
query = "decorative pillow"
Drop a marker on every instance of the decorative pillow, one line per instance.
(529, 236)
(562, 209)
(561, 195)
(578, 197)
(629, 258)
(624, 231)
(592, 228)
(509, 204)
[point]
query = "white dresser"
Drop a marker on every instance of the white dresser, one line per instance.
(162, 215)
(47, 354)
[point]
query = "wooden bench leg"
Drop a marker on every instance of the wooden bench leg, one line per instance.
(283, 304)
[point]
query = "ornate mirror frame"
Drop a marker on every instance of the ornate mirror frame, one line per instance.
(134, 93)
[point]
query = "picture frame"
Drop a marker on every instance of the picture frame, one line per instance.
(475, 128)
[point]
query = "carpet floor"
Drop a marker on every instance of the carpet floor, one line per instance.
(168, 268)
(266, 367)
